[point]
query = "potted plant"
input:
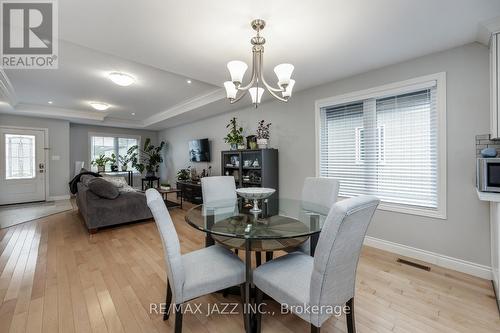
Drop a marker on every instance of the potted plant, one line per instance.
(148, 158)
(114, 165)
(263, 134)
(124, 161)
(165, 186)
(184, 174)
(100, 162)
(235, 137)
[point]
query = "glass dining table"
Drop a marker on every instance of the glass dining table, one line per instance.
(232, 224)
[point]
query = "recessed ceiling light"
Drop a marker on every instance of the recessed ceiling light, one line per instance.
(189, 81)
(99, 106)
(121, 79)
(133, 113)
(50, 102)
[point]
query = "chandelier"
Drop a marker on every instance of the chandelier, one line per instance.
(234, 88)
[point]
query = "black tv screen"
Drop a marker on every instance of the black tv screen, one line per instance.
(199, 150)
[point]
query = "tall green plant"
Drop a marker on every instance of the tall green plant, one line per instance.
(235, 135)
(148, 158)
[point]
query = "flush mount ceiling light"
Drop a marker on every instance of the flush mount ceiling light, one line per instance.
(99, 106)
(257, 82)
(121, 79)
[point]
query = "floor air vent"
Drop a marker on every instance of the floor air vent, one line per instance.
(413, 264)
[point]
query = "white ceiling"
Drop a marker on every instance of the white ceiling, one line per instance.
(325, 40)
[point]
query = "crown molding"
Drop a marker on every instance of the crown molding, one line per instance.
(186, 106)
(24, 109)
(7, 90)
(486, 28)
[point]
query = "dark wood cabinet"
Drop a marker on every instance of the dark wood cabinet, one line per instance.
(190, 191)
(253, 168)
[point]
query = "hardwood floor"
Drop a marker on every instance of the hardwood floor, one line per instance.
(55, 277)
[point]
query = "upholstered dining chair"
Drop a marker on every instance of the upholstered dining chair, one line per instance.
(193, 274)
(318, 196)
(327, 279)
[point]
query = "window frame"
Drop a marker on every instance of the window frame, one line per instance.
(396, 88)
(111, 135)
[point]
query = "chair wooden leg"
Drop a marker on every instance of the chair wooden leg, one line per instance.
(315, 329)
(351, 325)
(258, 314)
(168, 302)
(178, 318)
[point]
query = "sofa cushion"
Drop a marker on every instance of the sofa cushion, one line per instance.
(118, 182)
(84, 179)
(103, 188)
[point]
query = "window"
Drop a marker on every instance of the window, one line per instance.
(101, 144)
(20, 156)
(388, 143)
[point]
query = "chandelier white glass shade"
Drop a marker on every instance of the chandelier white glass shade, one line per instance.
(235, 90)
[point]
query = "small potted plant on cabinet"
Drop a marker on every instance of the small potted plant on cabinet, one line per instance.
(100, 162)
(184, 174)
(263, 134)
(235, 136)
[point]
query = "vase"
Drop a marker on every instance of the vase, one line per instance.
(241, 146)
(124, 167)
(262, 143)
(101, 168)
(234, 146)
(150, 174)
(114, 168)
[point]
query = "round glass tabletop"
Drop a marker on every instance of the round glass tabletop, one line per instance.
(279, 219)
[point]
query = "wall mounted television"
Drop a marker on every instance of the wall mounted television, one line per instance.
(199, 150)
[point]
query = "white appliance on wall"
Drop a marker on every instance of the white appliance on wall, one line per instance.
(22, 165)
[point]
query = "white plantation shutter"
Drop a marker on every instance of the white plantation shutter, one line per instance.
(386, 146)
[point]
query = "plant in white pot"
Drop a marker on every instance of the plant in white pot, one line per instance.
(263, 134)
(101, 162)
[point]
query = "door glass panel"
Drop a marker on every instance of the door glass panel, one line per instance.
(19, 156)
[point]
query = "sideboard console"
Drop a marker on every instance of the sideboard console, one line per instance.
(190, 191)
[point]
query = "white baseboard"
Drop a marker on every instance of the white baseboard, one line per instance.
(58, 197)
(437, 259)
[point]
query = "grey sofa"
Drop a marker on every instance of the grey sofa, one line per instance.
(99, 212)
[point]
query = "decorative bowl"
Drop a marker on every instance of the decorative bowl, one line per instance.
(255, 194)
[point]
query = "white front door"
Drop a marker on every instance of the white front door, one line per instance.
(22, 165)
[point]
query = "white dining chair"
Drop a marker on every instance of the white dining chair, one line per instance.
(328, 279)
(319, 194)
(194, 274)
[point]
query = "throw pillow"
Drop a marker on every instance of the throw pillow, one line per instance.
(103, 188)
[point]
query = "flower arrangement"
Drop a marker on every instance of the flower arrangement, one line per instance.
(263, 134)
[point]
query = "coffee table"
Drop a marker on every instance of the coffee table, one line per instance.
(170, 203)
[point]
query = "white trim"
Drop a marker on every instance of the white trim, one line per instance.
(7, 90)
(109, 135)
(437, 259)
(186, 106)
(46, 151)
(59, 197)
(438, 80)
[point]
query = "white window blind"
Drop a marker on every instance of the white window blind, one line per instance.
(386, 146)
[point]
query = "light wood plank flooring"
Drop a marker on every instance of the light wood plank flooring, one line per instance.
(55, 277)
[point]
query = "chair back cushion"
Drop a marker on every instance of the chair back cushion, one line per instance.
(319, 194)
(337, 253)
(170, 240)
(217, 189)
